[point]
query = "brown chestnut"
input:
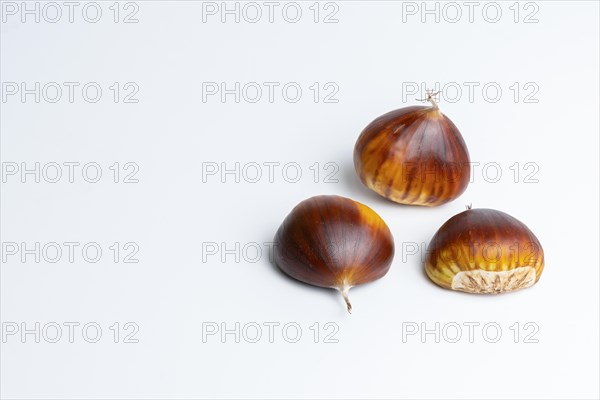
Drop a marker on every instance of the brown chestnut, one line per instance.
(334, 242)
(413, 155)
(484, 251)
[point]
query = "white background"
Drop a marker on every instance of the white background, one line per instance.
(373, 56)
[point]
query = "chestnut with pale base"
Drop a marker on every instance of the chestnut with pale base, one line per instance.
(484, 251)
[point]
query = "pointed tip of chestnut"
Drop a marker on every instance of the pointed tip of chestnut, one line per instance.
(431, 98)
(344, 290)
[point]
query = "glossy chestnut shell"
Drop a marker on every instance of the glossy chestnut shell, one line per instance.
(484, 251)
(334, 242)
(414, 155)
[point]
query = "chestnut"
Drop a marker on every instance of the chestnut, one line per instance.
(413, 155)
(484, 251)
(334, 242)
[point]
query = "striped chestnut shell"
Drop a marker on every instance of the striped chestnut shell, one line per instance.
(334, 242)
(484, 251)
(413, 155)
